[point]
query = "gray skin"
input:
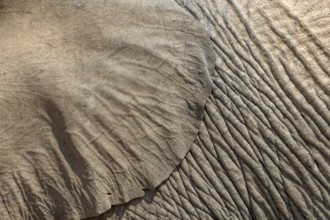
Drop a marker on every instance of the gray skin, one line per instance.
(263, 149)
(101, 100)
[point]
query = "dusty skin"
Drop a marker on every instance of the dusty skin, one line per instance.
(101, 100)
(263, 150)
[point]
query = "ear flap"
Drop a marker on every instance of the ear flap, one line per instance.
(116, 112)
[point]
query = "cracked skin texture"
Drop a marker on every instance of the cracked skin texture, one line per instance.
(100, 101)
(263, 150)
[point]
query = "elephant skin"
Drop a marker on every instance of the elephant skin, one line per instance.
(95, 97)
(263, 146)
(263, 150)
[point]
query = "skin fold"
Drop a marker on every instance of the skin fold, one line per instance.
(101, 103)
(263, 149)
(95, 97)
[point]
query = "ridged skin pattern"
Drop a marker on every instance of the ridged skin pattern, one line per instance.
(95, 96)
(263, 150)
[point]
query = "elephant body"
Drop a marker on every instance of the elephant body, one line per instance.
(262, 151)
(263, 143)
(95, 96)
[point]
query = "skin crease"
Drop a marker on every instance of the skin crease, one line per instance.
(95, 96)
(262, 151)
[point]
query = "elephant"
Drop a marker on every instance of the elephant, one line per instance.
(165, 109)
(96, 96)
(262, 151)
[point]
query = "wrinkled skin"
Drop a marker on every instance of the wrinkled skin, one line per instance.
(95, 96)
(264, 145)
(262, 151)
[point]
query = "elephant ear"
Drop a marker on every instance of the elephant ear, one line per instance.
(100, 101)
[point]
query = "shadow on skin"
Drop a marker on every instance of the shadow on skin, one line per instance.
(64, 140)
